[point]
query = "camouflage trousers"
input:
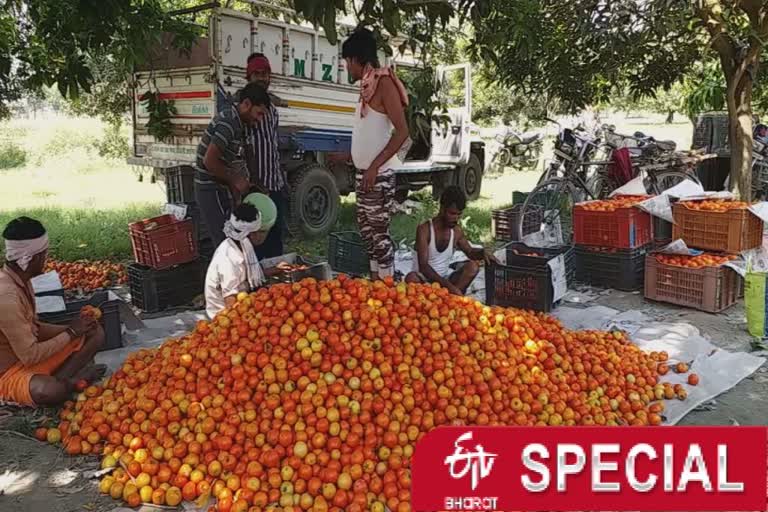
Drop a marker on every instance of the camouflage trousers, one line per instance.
(374, 213)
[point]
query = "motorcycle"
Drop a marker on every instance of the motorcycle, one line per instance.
(519, 151)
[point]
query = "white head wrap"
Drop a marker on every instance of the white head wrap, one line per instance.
(22, 251)
(239, 230)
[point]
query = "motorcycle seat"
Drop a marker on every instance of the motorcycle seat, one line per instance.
(529, 138)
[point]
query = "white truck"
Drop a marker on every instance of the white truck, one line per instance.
(318, 105)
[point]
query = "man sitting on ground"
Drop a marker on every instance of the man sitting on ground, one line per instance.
(235, 267)
(39, 363)
(437, 240)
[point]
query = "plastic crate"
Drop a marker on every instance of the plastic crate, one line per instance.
(505, 223)
(180, 185)
(110, 317)
(162, 242)
(201, 229)
(318, 270)
(732, 231)
(623, 228)
(541, 262)
(157, 290)
(519, 287)
(662, 232)
(608, 267)
(710, 289)
(347, 254)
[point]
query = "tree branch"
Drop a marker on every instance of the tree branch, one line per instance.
(721, 41)
(752, 8)
(760, 33)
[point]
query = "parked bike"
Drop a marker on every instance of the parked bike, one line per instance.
(519, 151)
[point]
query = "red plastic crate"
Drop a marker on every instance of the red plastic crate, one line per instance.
(162, 242)
(624, 228)
(732, 231)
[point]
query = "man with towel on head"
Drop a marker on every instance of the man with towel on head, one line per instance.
(39, 363)
(235, 267)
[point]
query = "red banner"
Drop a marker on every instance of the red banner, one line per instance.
(590, 468)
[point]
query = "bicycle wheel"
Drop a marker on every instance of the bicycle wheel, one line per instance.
(664, 180)
(548, 210)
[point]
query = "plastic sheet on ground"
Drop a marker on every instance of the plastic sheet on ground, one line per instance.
(719, 370)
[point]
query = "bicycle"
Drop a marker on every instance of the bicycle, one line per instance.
(567, 181)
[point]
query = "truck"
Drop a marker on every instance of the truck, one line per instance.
(316, 109)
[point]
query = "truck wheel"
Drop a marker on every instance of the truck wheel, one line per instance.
(313, 206)
(471, 178)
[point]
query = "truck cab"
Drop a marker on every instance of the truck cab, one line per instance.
(316, 109)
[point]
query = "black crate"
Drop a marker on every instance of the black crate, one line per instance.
(156, 290)
(620, 269)
(515, 254)
(194, 213)
(180, 185)
(519, 287)
(110, 317)
(347, 254)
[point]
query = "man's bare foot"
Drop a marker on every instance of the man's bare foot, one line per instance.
(92, 373)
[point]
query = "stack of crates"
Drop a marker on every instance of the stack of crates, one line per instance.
(711, 289)
(180, 191)
(169, 269)
(611, 247)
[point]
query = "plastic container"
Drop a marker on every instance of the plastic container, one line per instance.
(505, 222)
(347, 254)
(201, 230)
(157, 290)
(110, 317)
(710, 289)
(662, 232)
(516, 255)
(519, 287)
(731, 231)
(162, 242)
(623, 228)
(180, 184)
(319, 270)
(608, 267)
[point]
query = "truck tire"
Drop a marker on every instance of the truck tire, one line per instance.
(471, 178)
(313, 205)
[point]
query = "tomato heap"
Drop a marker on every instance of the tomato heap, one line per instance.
(88, 275)
(715, 205)
(612, 204)
(706, 259)
(313, 395)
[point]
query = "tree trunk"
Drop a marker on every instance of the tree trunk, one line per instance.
(670, 117)
(740, 136)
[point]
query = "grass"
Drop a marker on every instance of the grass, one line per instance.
(86, 201)
(86, 234)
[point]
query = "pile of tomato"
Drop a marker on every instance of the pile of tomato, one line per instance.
(703, 260)
(715, 205)
(87, 275)
(612, 204)
(313, 395)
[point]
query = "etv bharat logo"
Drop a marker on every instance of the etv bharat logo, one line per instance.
(478, 465)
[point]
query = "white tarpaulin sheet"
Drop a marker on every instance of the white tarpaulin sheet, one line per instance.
(719, 370)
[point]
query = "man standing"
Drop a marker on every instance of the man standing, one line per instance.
(39, 363)
(222, 176)
(379, 140)
(264, 161)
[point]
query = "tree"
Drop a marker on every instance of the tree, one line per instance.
(58, 42)
(581, 51)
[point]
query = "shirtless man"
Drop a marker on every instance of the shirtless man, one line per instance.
(436, 242)
(39, 363)
(379, 139)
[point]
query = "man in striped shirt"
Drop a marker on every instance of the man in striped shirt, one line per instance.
(222, 175)
(266, 172)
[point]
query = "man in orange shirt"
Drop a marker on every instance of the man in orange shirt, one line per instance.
(39, 363)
